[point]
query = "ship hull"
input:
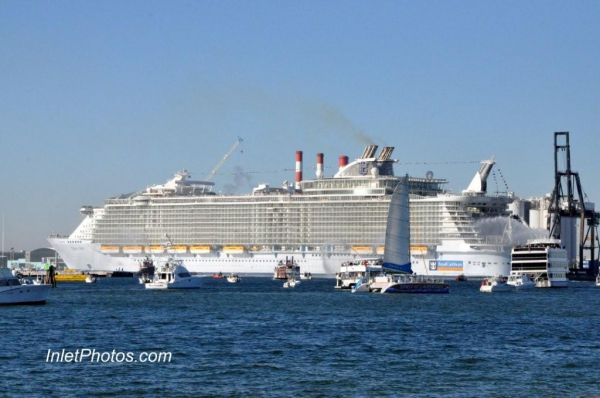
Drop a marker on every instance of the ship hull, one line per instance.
(87, 256)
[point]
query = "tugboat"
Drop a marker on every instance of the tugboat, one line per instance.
(286, 270)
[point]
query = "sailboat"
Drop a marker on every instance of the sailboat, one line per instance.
(396, 257)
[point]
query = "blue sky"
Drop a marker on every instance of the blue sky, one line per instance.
(103, 97)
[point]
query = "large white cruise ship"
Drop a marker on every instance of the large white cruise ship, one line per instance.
(320, 222)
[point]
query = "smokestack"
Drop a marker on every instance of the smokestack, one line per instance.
(298, 169)
(319, 165)
(342, 161)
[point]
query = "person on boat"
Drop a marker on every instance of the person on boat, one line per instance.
(52, 275)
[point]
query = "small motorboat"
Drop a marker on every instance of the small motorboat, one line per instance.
(291, 283)
(494, 284)
(173, 275)
(520, 281)
(306, 276)
(146, 273)
(218, 276)
(16, 291)
(233, 278)
(90, 279)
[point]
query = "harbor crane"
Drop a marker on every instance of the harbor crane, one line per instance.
(215, 169)
(565, 209)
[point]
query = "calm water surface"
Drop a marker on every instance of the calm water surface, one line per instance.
(258, 339)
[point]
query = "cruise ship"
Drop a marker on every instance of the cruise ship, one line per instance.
(319, 222)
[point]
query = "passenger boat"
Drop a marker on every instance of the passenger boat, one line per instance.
(494, 284)
(173, 275)
(543, 260)
(317, 221)
(15, 291)
(351, 271)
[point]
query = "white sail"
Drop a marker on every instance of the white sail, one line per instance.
(396, 256)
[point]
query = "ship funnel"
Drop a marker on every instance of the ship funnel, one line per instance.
(342, 161)
(386, 153)
(479, 183)
(369, 151)
(298, 169)
(319, 171)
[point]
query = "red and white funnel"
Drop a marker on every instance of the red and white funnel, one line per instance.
(298, 169)
(319, 171)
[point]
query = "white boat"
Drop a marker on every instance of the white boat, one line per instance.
(15, 291)
(396, 256)
(146, 272)
(351, 271)
(520, 280)
(598, 280)
(291, 283)
(233, 278)
(494, 284)
(306, 276)
(90, 279)
(543, 260)
(320, 222)
(173, 275)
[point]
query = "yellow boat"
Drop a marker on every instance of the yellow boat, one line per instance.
(69, 275)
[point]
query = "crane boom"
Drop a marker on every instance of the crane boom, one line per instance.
(224, 159)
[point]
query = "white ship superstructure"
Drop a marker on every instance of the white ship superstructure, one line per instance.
(321, 223)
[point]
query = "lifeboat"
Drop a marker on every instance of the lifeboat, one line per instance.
(362, 249)
(233, 249)
(418, 249)
(109, 249)
(154, 249)
(132, 249)
(200, 249)
(177, 249)
(380, 250)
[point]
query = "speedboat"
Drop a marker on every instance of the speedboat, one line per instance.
(15, 291)
(520, 281)
(90, 279)
(233, 278)
(494, 284)
(173, 275)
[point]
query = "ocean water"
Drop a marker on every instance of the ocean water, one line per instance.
(258, 339)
